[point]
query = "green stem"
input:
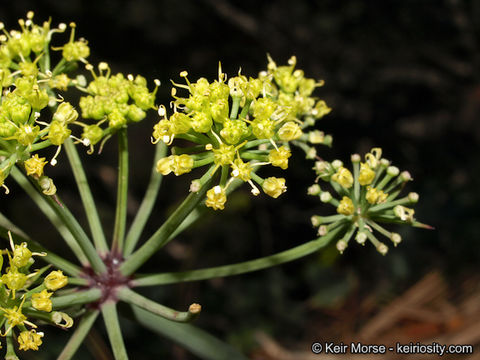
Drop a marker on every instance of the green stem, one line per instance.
(110, 316)
(40, 145)
(161, 236)
(199, 342)
(10, 355)
(86, 196)
(49, 212)
(239, 268)
(131, 297)
(51, 257)
(69, 220)
(147, 203)
(235, 106)
(59, 67)
(79, 335)
(122, 192)
(245, 109)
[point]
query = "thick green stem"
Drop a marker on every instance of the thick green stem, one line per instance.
(10, 354)
(235, 106)
(122, 192)
(86, 196)
(112, 324)
(133, 298)
(147, 203)
(197, 341)
(79, 335)
(239, 268)
(51, 257)
(49, 212)
(162, 235)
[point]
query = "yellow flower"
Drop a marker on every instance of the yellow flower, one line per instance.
(279, 157)
(21, 255)
(289, 131)
(34, 165)
(274, 186)
(377, 196)
(182, 164)
(241, 169)
(14, 279)
(216, 198)
(164, 165)
(55, 280)
(344, 177)
(346, 206)
(41, 301)
(366, 175)
(14, 316)
(373, 157)
(29, 340)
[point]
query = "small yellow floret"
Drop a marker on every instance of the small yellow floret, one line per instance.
(21, 255)
(29, 340)
(289, 131)
(34, 166)
(41, 301)
(242, 170)
(375, 196)
(344, 177)
(216, 198)
(279, 157)
(182, 164)
(274, 186)
(366, 175)
(55, 280)
(346, 206)
(164, 165)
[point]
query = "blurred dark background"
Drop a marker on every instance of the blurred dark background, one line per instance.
(402, 75)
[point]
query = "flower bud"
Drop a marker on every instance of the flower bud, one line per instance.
(393, 171)
(361, 237)
(341, 246)
(325, 197)
(382, 249)
(396, 239)
(314, 190)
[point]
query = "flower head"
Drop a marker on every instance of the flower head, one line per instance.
(240, 125)
(369, 197)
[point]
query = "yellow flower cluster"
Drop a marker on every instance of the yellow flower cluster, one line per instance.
(16, 297)
(369, 196)
(239, 125)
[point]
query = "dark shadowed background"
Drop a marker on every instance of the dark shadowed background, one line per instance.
(402, 75)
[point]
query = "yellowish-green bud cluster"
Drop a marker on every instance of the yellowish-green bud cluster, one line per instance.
(368, 196)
